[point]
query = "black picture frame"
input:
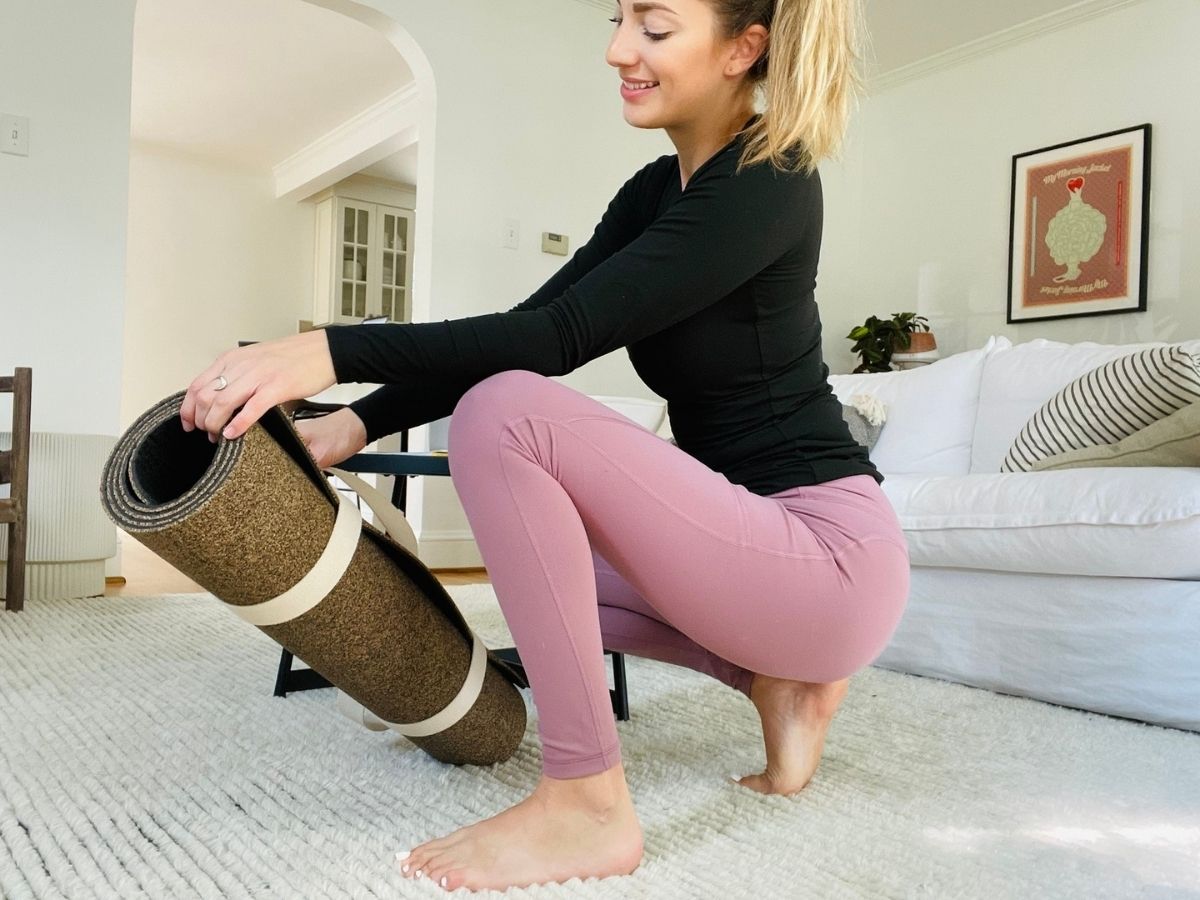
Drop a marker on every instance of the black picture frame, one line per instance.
(1090, 257)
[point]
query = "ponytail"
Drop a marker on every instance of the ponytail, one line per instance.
(808, 76)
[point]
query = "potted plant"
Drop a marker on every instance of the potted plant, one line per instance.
(877, 339)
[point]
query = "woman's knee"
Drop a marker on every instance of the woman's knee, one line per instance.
(494, 400)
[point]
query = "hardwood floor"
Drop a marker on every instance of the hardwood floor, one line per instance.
(147, 575)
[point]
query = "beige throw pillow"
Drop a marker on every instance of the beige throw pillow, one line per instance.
(1108, 404)
(1173, 441)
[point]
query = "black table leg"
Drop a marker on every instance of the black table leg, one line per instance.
(288, 679)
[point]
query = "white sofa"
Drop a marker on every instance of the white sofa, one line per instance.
(1079, 587)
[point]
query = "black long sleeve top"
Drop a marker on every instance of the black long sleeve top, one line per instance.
(711, 290)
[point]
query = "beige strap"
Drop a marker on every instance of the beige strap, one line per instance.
(387, 517)
(356, 712)
(321, 578)
(437, 723)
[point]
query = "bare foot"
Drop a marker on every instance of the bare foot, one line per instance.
(567, 828)
(795, 717)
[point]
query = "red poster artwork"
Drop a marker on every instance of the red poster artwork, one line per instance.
(1077, 227)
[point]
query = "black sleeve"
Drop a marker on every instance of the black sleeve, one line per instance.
(393, 407)
(417, 401)
(720, 232)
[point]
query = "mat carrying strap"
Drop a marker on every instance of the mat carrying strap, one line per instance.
(316, 585)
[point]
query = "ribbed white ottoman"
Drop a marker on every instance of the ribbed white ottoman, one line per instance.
(70, 537)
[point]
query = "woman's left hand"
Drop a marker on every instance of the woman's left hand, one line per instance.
(256, 378)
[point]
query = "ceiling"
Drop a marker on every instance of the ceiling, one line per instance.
(904, 32)
(248, 83)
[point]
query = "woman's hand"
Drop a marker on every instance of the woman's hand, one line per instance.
(333, 438)
(256, 378)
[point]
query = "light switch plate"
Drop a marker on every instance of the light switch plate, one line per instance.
(555, 243)
(510, 235)
(14, 135)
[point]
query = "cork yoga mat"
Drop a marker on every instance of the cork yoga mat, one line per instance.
(256, 523)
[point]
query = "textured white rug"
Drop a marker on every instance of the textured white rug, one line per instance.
(142, 755)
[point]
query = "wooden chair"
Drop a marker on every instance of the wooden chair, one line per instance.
(14, 471)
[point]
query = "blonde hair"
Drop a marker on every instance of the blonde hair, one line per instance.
(808, 76)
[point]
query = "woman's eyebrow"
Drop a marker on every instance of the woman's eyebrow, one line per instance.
(644, 7)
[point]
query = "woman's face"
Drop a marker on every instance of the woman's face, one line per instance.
(674, 67)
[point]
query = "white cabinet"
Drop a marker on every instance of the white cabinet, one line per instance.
(363, 260)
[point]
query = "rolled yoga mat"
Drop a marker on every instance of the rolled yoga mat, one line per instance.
(254, 521)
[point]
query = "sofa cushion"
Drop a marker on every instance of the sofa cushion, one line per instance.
(1131, 522)
(1173, 441)
(1107, 404)
(1018, 379)
(930, 411)
(647, 413)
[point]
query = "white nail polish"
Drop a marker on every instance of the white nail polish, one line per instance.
(401, 854)
(418, 873)
(443, 881)
(404, 869)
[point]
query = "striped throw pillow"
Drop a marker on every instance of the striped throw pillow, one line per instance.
(1108, 404)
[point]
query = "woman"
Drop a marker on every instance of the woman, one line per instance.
(760, 549)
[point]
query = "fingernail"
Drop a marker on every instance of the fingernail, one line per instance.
(443, 881)
(419, 873)
(401, 854)
(228, 434)
(404, 869)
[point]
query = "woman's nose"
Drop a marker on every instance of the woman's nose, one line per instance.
(621, 53)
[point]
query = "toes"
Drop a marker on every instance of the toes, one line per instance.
(443, 873)
(452, 880)
(438, 865)
(424, 858)
(421, 857)
(414, 865)
(754, 782)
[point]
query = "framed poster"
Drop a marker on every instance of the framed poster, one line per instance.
(1079, 227)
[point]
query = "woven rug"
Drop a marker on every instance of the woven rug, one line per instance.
(142, 755)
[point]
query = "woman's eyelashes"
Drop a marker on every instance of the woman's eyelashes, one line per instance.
(654, 36)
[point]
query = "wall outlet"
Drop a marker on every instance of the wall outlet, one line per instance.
(14, 135)
(511, 234)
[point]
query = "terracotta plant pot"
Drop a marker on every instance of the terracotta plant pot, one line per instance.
(922, 341)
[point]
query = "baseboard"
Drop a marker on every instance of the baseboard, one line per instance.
(60, 580)
(449, 550)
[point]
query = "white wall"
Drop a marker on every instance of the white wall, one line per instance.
(528, 126)
(213, 258)
(931, 172)
(66, 66)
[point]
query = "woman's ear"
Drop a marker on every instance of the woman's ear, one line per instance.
(747, 48)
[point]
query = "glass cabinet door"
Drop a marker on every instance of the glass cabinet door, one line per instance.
(364, 261)
(395, 246)
(356, 245)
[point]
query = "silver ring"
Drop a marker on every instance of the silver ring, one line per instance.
(222, 383)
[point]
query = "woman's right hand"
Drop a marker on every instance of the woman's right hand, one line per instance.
(334, 437)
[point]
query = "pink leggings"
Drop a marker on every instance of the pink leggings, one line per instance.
(597, 534)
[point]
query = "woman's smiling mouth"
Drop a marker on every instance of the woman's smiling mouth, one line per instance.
(631, 89)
